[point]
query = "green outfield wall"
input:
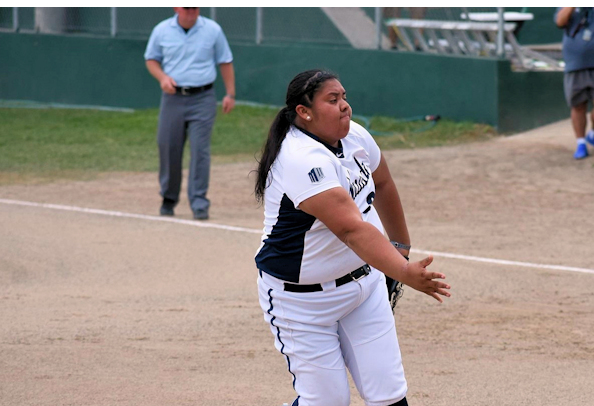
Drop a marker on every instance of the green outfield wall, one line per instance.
(110, 72)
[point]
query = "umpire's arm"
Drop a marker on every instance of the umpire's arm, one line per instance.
(228, 75)
(388, 205)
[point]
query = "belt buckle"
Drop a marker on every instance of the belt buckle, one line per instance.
(365, 273)
(184, 91)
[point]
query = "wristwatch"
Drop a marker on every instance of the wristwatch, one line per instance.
(400, 245)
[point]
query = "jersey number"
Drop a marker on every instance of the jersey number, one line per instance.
(370, 198)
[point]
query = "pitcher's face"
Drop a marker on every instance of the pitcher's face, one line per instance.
(330, 113)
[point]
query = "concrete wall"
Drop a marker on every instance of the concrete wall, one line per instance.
(108, 72)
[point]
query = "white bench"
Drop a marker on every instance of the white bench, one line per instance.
(468, 38)
(509, 16)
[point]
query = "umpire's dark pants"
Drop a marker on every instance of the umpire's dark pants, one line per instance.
(182, 116)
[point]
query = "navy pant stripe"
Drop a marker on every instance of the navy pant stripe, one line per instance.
(279, 337)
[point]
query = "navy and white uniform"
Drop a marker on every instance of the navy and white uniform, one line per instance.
(322, 333)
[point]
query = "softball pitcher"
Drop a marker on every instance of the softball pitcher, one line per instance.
(328, 199)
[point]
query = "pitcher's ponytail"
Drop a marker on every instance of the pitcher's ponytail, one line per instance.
(301, 90)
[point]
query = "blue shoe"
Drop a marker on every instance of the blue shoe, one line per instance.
(590, 137)
(581, 151)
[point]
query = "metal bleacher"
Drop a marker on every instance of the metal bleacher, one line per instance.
(469, 38)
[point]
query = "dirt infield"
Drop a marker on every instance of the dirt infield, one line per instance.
(106, 310)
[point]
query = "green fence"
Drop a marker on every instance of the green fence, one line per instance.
(111, 72)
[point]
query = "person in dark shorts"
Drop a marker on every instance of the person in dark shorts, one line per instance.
(578, 83)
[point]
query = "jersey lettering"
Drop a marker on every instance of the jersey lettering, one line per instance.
(358, 185)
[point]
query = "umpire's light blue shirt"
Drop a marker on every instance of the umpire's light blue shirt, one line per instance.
(190, 59)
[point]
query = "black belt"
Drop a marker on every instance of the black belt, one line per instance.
(316, 287)
(187, 90)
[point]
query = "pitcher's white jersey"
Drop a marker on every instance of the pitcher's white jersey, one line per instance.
(297, 247)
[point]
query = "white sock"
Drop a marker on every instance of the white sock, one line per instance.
(581, 141)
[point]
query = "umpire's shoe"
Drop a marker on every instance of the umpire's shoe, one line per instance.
(167, 207)
(200, 214)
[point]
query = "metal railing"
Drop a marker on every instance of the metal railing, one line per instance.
(259, 25)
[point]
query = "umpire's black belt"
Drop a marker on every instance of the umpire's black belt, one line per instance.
(187, 91)
(316, 287)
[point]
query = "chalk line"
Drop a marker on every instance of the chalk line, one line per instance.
(195, 223)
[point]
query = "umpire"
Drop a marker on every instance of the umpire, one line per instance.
(182, 54)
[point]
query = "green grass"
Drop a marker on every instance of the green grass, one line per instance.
(390, 133)
(58, 143)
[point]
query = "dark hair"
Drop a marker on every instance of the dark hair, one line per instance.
(301, 90)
